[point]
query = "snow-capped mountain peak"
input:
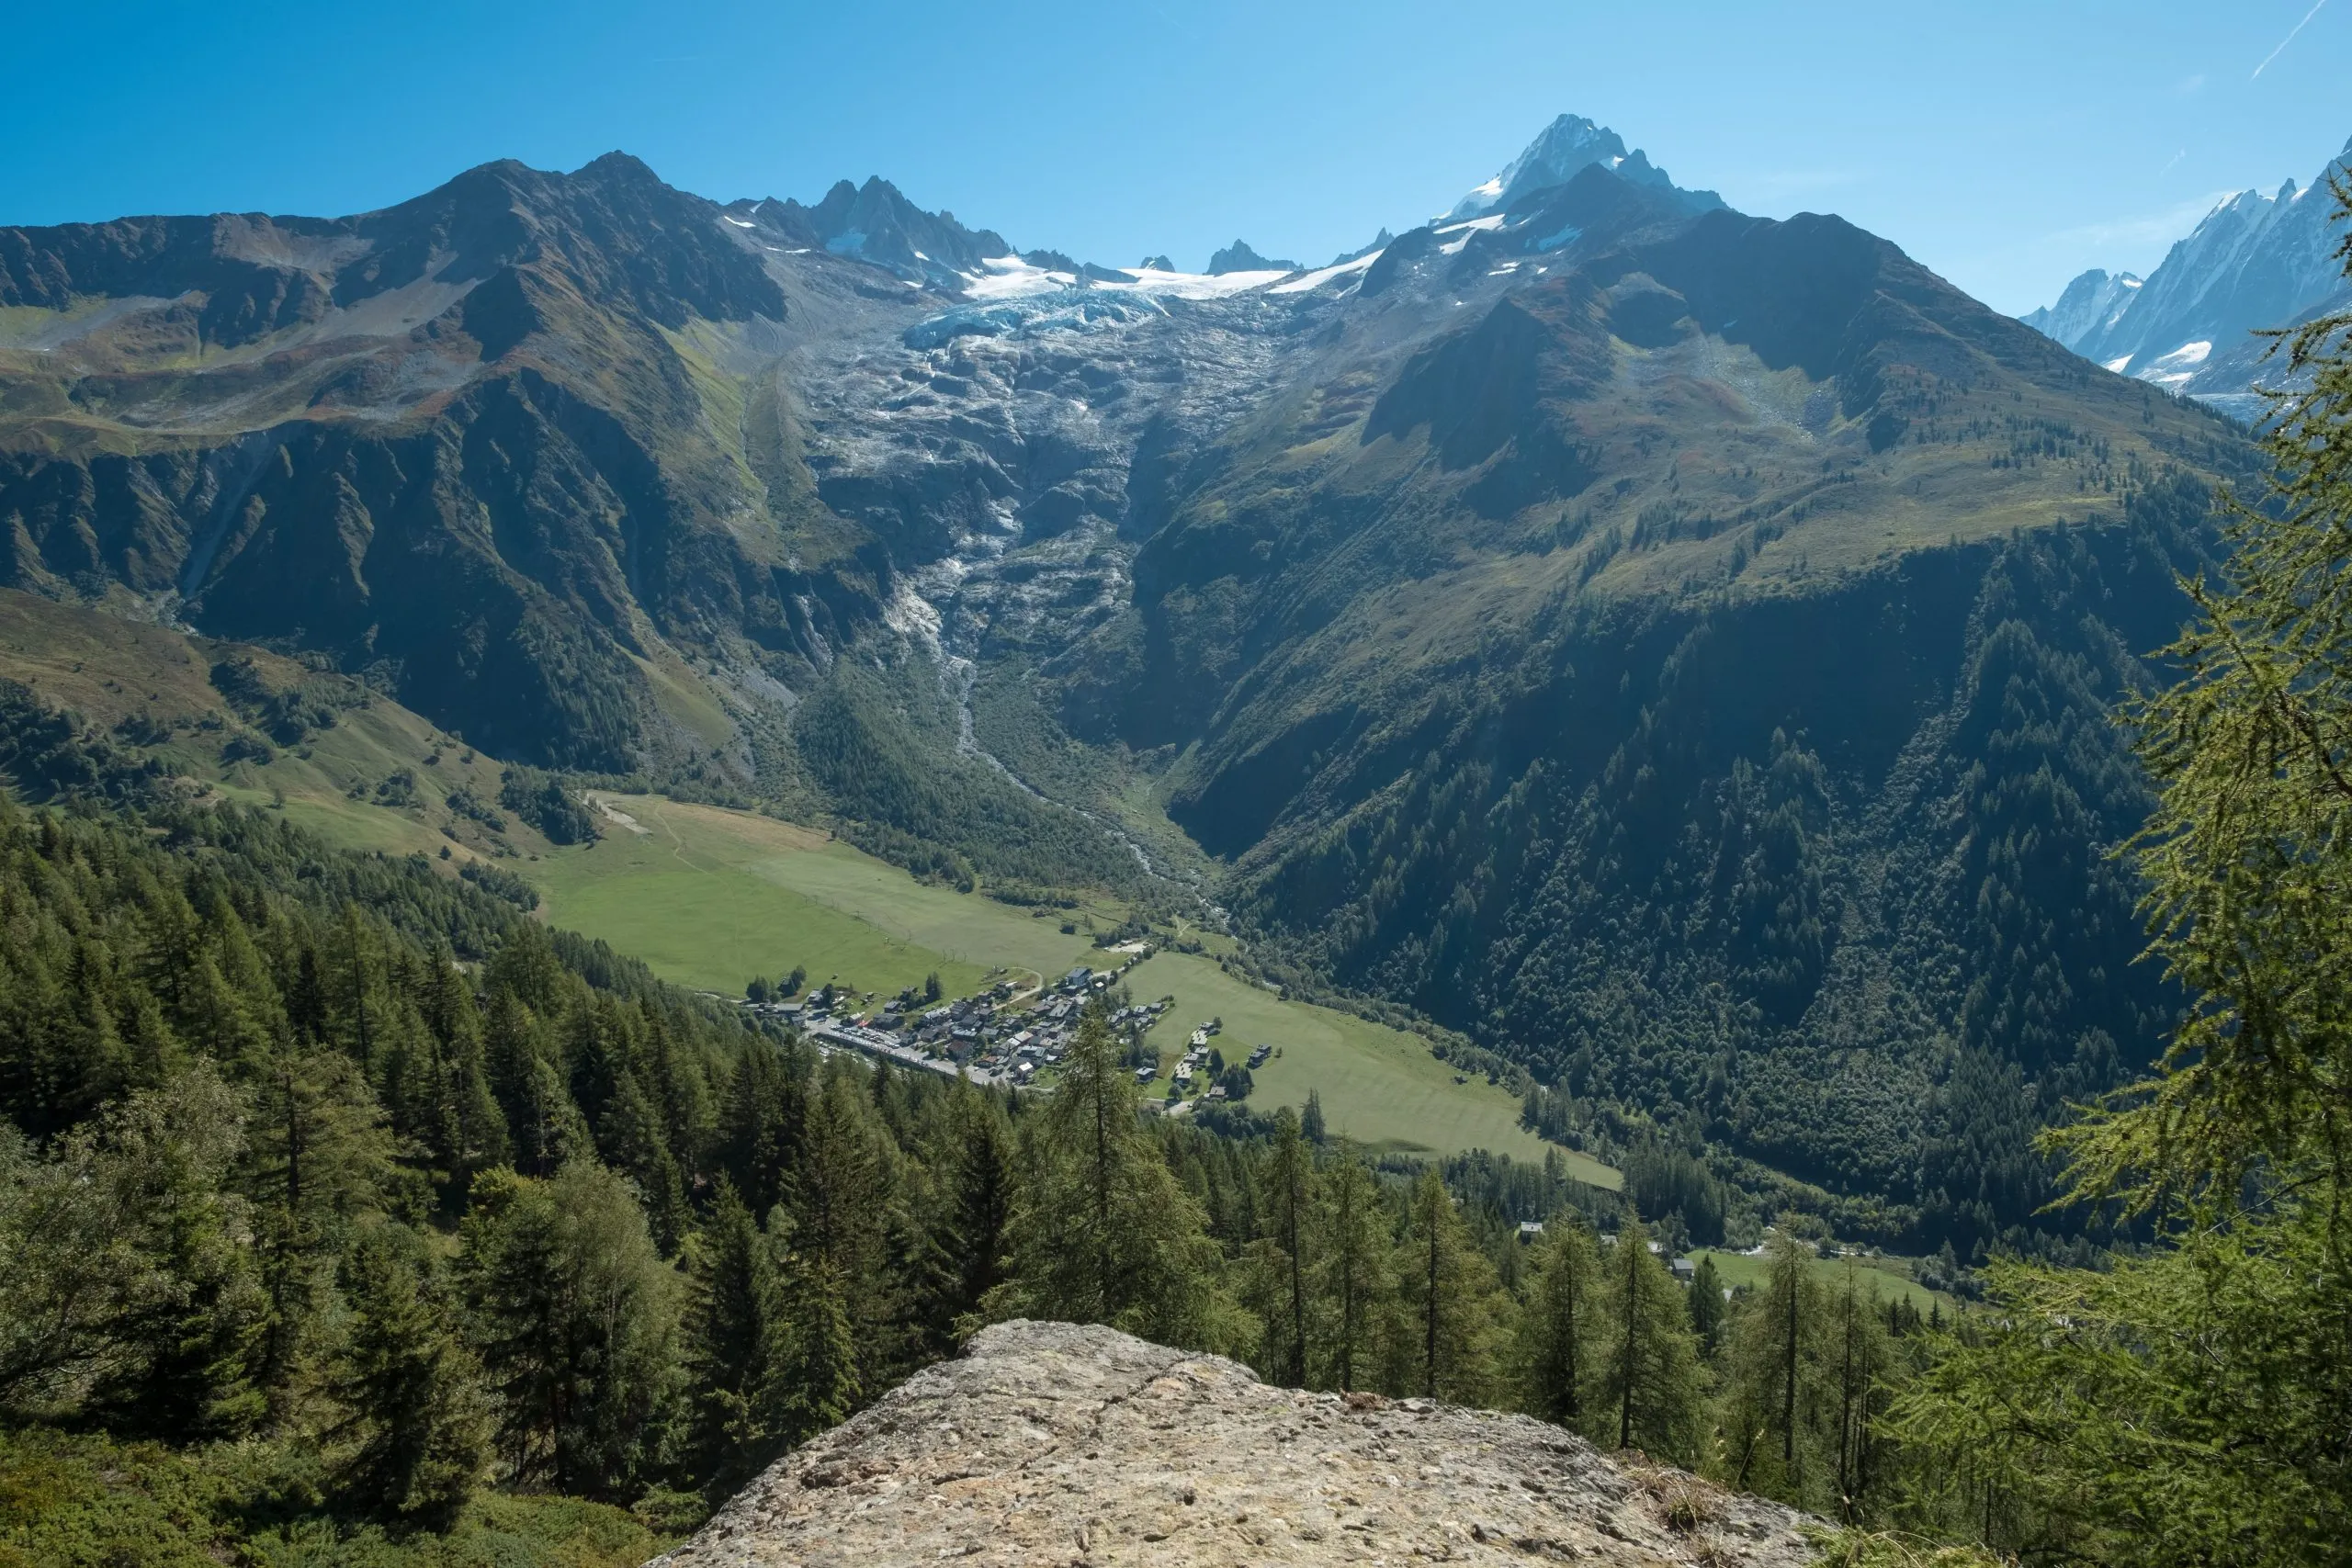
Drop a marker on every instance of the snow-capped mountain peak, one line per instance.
(1566, 147)
(2257, 260)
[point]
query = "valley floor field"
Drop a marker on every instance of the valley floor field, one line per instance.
(1739, 1269)
(1379, 1086)
(711, 897)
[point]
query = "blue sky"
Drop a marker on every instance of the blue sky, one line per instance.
(2006, 145)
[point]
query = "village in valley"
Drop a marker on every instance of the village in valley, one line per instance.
(1016, 1030)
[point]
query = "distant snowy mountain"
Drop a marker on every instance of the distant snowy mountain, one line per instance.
(1568, 146)
(2089, 306)
(2255, 260)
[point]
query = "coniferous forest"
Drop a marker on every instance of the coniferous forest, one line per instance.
(351, 1215)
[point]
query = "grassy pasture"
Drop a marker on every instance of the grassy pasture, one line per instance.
(1379, 1086)
(710, 897)
(1739, 1269)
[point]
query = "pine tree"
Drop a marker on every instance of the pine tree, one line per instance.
(839, 1213)
(1290, 1197)
(818, 1380)
(731, 1328)
(1777, 1365)
(1652, 1391)
(578, 1319)
(1862, 1366)
(318, 1156)
(194, 1324)
(419, 1427)
(1104, 1232)
(1707, 1305)
(633, 1143)
(1557, 1345)
(1447, 1288)
(977, 1211)
(759, 1128)
(1352, 1282)
(2188, 1407)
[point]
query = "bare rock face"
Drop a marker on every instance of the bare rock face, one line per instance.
(1051, 1443)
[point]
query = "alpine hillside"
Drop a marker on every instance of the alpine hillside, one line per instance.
(1671, 648)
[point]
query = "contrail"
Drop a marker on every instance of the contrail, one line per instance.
(2283, 43)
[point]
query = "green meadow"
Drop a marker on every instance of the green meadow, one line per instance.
(1739, 1269)
(1379, 1086)
(710, 897)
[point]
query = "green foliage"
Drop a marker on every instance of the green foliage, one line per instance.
(419, 1427)
(1560, 1349)
(84, 1500)
(542, 800)
(893, 767)
(1102, 1232)
(578, 1321)
(1447, 1297)
(1650, 1390)
(1868, 862)
(2188, 1406)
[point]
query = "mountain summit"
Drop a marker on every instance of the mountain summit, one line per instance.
(1568, 147)
(2255, 261)
(1445, 613)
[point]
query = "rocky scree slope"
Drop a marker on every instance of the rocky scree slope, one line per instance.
(1048, 1442)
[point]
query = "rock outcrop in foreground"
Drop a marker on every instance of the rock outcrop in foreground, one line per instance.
(1048, 1442)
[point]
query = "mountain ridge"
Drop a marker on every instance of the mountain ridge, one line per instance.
(1008, 563)
(2254, 262)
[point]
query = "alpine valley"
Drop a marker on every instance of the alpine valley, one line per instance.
(1663, 651)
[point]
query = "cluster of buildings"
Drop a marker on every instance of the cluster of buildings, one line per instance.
(1006, 1034)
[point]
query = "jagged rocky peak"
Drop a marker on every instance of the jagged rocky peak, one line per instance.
(2089, 305)
(1048, 1442)
(1380, 242)
(1154, 264)
(1568, 146)
(874, 222)
(1239, 256)
(2255, 261)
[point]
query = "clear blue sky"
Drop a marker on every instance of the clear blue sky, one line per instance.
(2006, 145)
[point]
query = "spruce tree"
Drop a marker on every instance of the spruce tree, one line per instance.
(1352, 1277)
(419, 1427)
(979, 1203)
(731, 1328)
(818, 1381)
(1652, 1391)
(1558, 1349)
